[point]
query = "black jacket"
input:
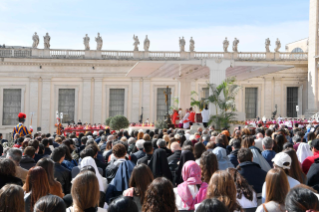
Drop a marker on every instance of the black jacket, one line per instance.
(168, 151)
(4, 179)
(254, 175)
(139, 154)
(37, 157)
(146, 159)
(47, 151)
(63, 175)
(233, 157)
(27, 162)
(313, 174)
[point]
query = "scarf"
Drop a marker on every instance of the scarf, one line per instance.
(192, 176)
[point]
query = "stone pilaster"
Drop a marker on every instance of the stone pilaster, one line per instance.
(86, 100)
(98, 97)
(46, 105)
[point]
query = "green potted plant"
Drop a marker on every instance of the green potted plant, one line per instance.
(119, 122)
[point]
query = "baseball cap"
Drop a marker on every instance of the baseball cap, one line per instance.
(280, 159)
(315, 144)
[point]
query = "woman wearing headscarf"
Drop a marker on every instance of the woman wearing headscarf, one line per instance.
(187, 155)
(192, 191)
(223, 160)
(303, 152)
(159, 165)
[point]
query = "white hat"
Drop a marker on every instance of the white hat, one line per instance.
(280, 159)
(95, 133)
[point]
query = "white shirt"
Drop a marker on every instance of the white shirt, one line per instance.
(246, 203)
(70, 209)
(292, 183)
(178, 201)
(205, 116)
(259, 144)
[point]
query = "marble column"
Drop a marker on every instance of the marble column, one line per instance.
(217, 74)
(136, 94)
(98, 96)
(86, 100)
(184, 93)
(33, 100)
(46, 105)
(146, 99)
(312, 61)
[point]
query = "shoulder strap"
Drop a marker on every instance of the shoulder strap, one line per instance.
(265, 209)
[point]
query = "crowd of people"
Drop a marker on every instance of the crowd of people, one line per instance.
(204, 170)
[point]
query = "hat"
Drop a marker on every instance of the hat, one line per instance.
(315, 144)
(22, 115)
(280, 159)
(95, 133)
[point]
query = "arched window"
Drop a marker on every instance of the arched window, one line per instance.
(296, 50)
(295, 54)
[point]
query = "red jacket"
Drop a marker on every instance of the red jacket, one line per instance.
(309, 161)
(191, 116)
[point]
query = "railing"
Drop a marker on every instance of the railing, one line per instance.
(15, 53)
(252, 56)
(293, 56)
(207, 55)
(141, 55)
(64, 54)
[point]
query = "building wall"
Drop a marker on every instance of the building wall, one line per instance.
(302, 44)
(272, 90)
(40, 88)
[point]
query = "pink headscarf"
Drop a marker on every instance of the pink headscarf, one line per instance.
(191, 173)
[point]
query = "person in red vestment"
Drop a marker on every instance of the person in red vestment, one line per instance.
(175, 117)
(95, 128)
(66, 130)
(79, 128)
(191, 116)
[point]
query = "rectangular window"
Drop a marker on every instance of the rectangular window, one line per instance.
(66, 104)
(205, 92)
(11, 106)
(251, 102)
(117, 102)
(161, 102)
(292, 101)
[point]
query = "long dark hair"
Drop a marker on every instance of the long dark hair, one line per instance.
(242, 186)
(11, 198)
(199, 148)
(48, 165)
(301, 199)
(159, 196)
(37, 182)
(208, 165)
(295, 171)
(67, 152)
(140, 179)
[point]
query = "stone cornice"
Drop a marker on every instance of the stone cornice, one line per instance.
(67, 64)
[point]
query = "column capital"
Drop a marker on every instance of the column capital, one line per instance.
(98, 79)
(45, 79)
(87, 78)
(34, 79)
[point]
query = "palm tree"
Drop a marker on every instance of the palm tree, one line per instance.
(223, 97)
(198, 103)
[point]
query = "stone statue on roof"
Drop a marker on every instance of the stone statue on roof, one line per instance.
(182, 44)
(36, 40)
(278, 45)
(47, 39)
(235, 45)
(267, 44)
(99, 42)
(147, 44)
(136, 42)
(86, 42)
(191, 45)
(225, 45)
